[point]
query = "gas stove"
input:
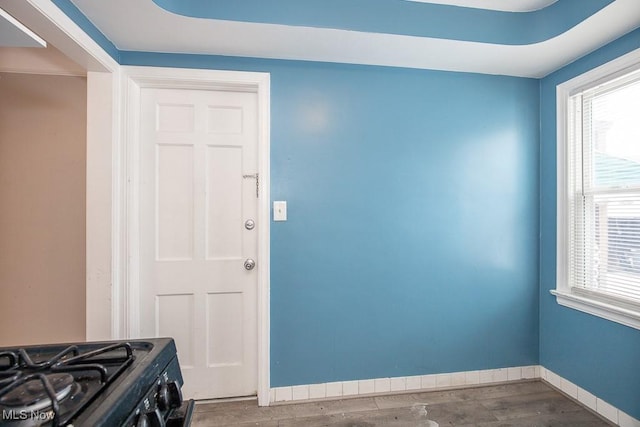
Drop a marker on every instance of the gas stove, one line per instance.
(118, 383)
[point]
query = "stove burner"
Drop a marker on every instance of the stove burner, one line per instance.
(33, 396)
(61, 384)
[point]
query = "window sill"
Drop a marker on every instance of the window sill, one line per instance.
(599, 306)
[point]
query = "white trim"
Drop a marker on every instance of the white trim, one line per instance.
(393, 385)
(129, 215)
(18, 35)
(587, 399)
(135, 78)
(597, 306)
(583, 301)
(102, 299)
(264, 243)
(118, 205)
(501, 5)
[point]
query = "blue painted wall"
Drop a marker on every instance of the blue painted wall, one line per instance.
(412, 240)
(598, 355)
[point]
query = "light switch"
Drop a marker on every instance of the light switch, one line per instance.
(280, 211)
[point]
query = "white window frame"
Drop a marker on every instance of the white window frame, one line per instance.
(581, 299)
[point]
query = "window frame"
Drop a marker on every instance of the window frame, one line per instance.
(590, 302)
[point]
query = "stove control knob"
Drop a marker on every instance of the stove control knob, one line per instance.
(150, 419)
(169, 396)
(143, 421)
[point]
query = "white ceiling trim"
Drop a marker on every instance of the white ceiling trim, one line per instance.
(167, 32)
(501, 5)
(14, 34)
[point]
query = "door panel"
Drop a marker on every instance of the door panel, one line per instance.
(225, 312)
(174, 202)
(224, 202)
(174, 318)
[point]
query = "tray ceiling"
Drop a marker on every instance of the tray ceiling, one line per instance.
(536, 39)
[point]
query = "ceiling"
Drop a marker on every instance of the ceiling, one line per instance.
(528, 38)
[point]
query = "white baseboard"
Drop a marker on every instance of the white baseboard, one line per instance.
(418, 383)
(587, 399)
(401, 384)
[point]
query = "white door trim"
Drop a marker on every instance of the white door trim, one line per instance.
(133, 80)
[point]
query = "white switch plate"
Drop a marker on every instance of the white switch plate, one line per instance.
(279, 211)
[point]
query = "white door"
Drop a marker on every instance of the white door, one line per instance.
(198, 163)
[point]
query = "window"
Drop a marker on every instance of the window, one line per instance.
(599, 193)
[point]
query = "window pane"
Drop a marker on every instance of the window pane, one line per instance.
(612, 120)
(616, 245)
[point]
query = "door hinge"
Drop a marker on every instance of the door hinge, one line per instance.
(257, 178)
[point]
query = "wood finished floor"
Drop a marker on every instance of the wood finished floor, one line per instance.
(517, 404)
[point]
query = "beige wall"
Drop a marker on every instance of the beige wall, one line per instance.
(42, 208)
(47, 60)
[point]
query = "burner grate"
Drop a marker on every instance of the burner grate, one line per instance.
(19, 372)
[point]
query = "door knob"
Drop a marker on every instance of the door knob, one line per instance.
(249, 264)
(249, 224)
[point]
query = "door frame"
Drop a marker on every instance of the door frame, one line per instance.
(134, 79)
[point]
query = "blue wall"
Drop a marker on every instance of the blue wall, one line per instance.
(598, 355)
(412, 240)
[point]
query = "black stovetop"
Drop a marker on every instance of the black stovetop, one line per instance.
(85, 384)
